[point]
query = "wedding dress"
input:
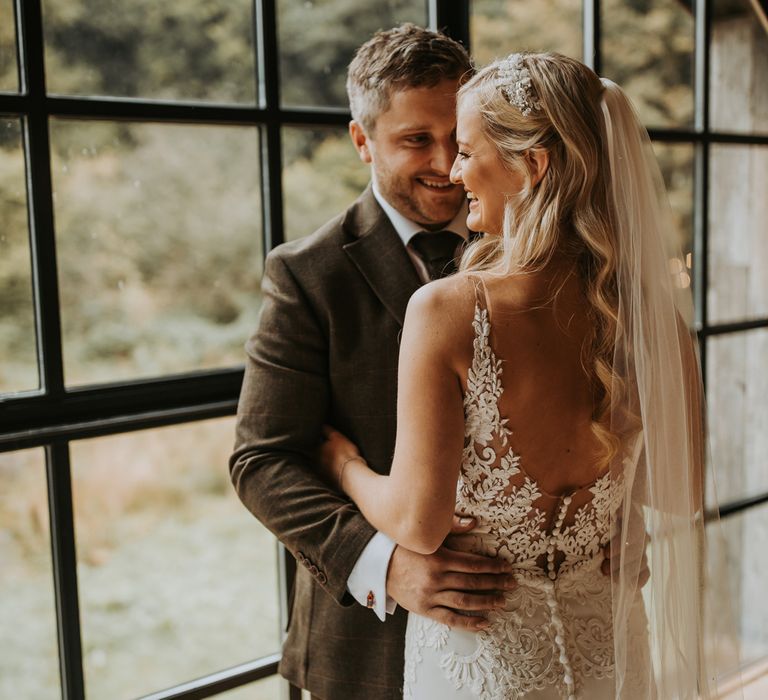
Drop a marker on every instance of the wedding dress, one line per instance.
(554, 638)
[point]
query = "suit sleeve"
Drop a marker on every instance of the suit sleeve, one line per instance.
(283, 404)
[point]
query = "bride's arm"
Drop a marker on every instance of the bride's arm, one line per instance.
(414, 504)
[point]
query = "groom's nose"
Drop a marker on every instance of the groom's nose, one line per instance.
(443, 156)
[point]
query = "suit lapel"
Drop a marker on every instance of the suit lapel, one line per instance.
(381, 257)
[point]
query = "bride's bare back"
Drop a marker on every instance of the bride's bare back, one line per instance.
(539, 323)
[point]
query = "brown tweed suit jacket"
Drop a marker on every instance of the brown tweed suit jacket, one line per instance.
(326, 351)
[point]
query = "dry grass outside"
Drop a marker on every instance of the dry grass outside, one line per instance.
(176, 579)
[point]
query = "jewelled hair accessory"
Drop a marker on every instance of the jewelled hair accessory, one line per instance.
(514, 81)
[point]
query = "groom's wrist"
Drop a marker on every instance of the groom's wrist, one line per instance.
(367, 583)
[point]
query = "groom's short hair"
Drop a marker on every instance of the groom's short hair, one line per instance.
(407, 56)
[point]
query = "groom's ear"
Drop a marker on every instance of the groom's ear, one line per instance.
(360, 141)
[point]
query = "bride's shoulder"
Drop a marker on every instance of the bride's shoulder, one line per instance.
(450, 298)
(439, 319)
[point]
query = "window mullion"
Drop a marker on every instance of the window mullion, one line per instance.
(269, 93)
(40, 198)
(702, 31)
(593, 56)
(20, 70)
(65, 570)
(452, 17)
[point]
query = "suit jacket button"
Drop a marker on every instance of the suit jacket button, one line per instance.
(321, 578)
(313, 569)
(300, 557)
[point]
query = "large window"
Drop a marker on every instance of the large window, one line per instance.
(150, 155)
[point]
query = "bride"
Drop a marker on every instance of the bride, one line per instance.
(550, 389)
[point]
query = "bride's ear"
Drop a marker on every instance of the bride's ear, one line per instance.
(538, 162)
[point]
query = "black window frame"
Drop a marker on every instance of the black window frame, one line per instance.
(55, 416)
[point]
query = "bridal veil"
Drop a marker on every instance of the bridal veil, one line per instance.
(658, 411)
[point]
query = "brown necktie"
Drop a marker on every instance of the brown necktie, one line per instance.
(438, 250)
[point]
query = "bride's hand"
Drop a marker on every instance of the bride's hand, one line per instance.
(335, 454)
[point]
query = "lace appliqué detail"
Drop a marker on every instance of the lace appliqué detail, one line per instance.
(556, 630)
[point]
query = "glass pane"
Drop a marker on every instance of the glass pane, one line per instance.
(746, 541)
(318, 39)
(676, 164)
(193, 50)
(648, 50)
(9, 71)
(738, 250)
(18, 369)
(29, 666)
(322, 176)
(499, 27)
(737, 394)
(159, 235)
(738, 66)
(176, 578)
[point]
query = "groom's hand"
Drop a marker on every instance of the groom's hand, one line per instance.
(635, 559)
(452, 587)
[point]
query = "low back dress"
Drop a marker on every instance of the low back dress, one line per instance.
(554, 638)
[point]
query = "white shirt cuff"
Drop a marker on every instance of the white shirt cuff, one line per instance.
(368, 581)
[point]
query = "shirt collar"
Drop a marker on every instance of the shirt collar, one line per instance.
(406, 228)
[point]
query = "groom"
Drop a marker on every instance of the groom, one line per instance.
(325, 352)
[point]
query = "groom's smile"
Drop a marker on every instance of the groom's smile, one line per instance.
(435, 184)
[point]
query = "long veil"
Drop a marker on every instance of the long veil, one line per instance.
(657, 411)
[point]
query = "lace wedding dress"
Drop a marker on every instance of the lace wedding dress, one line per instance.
(554, 638)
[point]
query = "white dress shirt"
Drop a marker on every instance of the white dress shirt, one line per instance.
(368, 581)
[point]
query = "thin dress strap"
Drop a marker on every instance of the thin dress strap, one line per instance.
(481, 294)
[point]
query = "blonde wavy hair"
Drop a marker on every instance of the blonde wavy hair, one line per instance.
(568, 211)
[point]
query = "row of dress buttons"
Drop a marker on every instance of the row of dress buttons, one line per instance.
(553, 537)
(557, 622)
(320, 577)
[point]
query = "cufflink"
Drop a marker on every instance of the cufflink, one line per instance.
(370, 601)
